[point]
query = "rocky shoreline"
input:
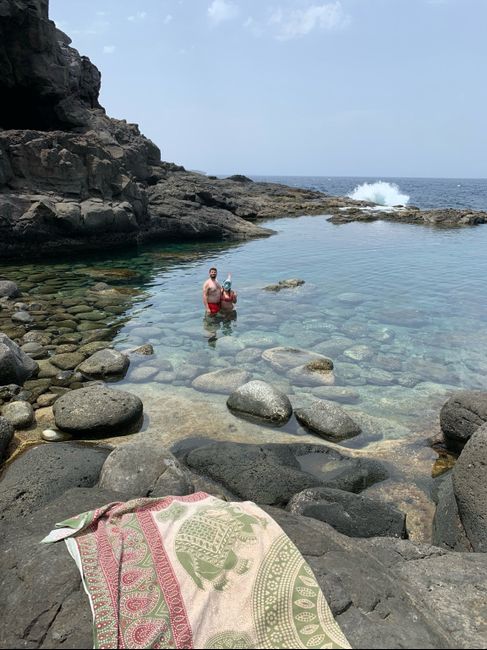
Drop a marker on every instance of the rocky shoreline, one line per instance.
(73, 179)
(385, 590)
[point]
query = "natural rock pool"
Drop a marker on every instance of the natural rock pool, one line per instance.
(400, 309)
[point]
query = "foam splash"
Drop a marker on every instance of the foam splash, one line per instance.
(381, 193)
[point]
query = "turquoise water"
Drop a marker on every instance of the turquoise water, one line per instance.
(400, 309)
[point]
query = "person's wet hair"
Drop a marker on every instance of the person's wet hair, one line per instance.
(213, 268)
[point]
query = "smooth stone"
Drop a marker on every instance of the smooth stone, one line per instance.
(8, 289)
(67, 360)
(336, 394)
(46, 399)
(327, 420)
(143, 373)
(94, 346)
(303, 376)
(260, 400)
(15, 365)
(47, 370)
(359, 353)
(225, 380)
(104, 363)
(351, 298)
(97, 410)
(36, 336)
(53, 435)
(34, 351)
(22, 317)
(283, 358)
(378, 377)
(19, 414)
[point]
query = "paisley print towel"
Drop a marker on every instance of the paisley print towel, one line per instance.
(195, 572)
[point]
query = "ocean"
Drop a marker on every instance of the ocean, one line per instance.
(425, 193)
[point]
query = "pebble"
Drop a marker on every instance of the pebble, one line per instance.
(53, 435)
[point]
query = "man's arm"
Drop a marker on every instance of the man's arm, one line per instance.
(205, 295)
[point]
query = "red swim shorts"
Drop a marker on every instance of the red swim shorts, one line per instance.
(214, 307)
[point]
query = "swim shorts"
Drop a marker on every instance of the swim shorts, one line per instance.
(214, 307)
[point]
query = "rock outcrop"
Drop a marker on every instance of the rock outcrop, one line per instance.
(72, 178)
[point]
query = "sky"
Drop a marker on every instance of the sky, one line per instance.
(295, 87)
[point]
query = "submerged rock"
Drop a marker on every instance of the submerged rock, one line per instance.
(328, 420)
(221, 381)
(284, 284)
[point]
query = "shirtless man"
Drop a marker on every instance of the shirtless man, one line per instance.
(212, 293)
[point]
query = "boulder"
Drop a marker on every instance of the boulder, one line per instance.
(470, 487)
(15, 365)
(43, 473)
(6, 434)
(351, 514)
(19, 414)
(283, 358)
(104, 363)
(144, 468)
(461, 416)
(97, 410)
(448, 531)
(328, 420)
(260, 400)
(8, 289)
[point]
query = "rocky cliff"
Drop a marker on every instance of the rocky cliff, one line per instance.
(73, 178)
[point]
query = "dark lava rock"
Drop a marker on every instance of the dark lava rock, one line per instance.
(273, 473)
(44, 473)
(470, 487)
(6, 434)
(461, 416)
(351, 514)
(97, 410)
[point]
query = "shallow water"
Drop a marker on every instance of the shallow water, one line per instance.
(400, 309)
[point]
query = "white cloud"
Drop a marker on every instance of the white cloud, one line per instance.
(109, 49)
(167, 19)
(294, 23)
(221, 10)
(138, 17)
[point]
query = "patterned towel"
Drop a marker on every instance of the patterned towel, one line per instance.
(195, 572)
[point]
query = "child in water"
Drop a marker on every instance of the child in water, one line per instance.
(228, 298)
